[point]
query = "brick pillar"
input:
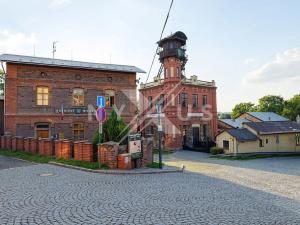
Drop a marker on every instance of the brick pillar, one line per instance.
(87, 152)
(2, 142)
(63, 149)
(27, 144)
(33, 145)
(78, 145)
(14, 143)
(45, 146)
(8, 142)
(147, 148)
(20, 143)
(48, 147)
(108, 154)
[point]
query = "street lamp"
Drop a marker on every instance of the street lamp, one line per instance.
(159, 129)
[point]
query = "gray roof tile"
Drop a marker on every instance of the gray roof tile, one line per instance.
(68, 63)
(267, 116)
(242, 134)
(274, 127)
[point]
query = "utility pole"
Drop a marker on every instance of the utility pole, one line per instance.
(159, 129)
(54, 48)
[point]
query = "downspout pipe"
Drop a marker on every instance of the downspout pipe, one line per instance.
(4, 71)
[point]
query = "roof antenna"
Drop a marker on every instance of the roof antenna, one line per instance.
(54, 48)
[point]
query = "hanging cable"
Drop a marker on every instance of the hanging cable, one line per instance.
(162, 32)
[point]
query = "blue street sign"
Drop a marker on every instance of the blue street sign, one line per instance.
(100, 101)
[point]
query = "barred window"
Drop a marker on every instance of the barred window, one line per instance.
(184, 99)
(195, 100)
(204, 100)
(42, 96)
(78, 131)
(78, 97)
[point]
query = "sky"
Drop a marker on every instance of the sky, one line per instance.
(250, 48)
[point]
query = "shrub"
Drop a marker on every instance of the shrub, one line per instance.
(114, 129)
(216, 150)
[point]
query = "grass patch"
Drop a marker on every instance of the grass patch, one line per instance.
(87, 165)
(26, 156)
(163, 151)
(154, 165)
(46, 159)
(251, 157)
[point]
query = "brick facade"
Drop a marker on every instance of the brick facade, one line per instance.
(189, 108)
(22, 112)
(1, 116)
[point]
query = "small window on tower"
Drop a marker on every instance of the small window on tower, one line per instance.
(178, 72)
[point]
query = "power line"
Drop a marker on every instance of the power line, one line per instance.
(162, 32)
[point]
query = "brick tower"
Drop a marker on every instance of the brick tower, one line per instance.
(184, 100)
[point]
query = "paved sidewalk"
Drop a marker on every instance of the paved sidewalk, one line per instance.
(280, 176)
(47, 194)
(8, 162)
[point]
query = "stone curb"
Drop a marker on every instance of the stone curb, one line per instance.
(118, 172)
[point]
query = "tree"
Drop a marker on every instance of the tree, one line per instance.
(224, 115)
(292, 107)
(1, 82)
(271, 103)
(242, 108)
(114, 129)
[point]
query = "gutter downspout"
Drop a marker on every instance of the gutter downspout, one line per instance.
(4, 103)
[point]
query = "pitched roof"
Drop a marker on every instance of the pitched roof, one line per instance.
(242, 134)
(67, 63)
(234, 123)
(273, 127)
(267, 116)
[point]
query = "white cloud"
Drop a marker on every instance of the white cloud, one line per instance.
(54, 4)
(249, 60)
(285, 66)
(17, 42)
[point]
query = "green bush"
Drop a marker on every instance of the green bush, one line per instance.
(114, 129)
(216, 150)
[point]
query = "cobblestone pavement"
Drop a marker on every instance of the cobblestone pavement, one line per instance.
(280, 176)
(7, 162)
(77, 197)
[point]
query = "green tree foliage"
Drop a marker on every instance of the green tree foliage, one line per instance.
(114, 129)
(224, 115)
(1, 82)
(242, 108)
(271, 103)
(292, 107)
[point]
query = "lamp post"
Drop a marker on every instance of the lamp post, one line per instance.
(159, 129)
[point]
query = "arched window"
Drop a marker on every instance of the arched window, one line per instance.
(42, 95)
(78, 97)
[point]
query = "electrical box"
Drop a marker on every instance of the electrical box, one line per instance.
(135, 143)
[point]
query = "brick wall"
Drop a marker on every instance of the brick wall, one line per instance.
(83, 151)
(1, 117)
(63, 149)
(108, 154)
(22, 113)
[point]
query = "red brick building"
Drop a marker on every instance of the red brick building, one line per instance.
(50, 97)
(189, 115)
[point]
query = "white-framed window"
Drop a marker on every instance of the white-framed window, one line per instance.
(298, 139)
